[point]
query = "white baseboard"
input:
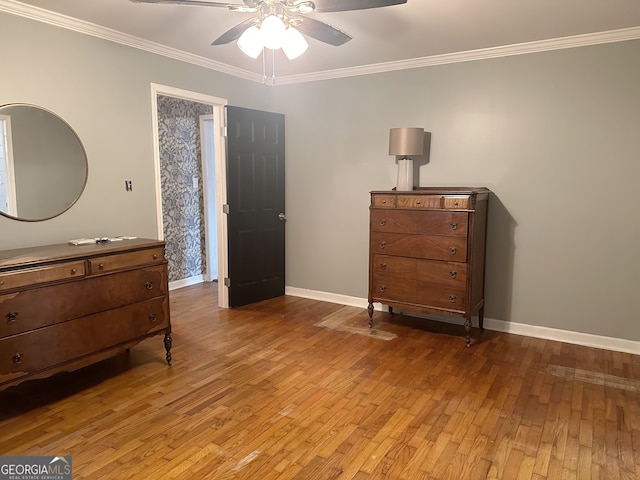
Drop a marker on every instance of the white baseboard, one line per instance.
(185, 282)
(567, 336)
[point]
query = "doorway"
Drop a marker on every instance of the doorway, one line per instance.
(207, 140)
(213, 190)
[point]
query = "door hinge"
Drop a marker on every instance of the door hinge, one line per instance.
(225, 208)
(227, 282)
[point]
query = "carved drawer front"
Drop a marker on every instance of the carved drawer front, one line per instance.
(39, 307)
(419, 201)
(53, 345)
(33, 276)
(413, 291)
(430, 222)
(444, 273)
(110, 263)
(442, 296)
(461, 202)
(385, 201)
(387, 266)
(420, 246)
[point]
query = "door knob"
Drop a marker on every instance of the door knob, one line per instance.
(282, 216)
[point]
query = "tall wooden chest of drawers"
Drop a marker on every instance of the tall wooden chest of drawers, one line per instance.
(427, 251)
(63, 307)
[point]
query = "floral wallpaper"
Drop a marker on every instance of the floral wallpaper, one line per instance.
(182, 188)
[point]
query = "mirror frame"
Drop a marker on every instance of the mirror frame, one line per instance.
(84, 155)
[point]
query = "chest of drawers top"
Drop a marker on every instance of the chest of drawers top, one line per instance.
(32, 266)
(430, 198)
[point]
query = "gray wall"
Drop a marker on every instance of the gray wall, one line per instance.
(554, 135)
(103, 91)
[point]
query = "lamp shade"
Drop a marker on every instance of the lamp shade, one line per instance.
(272, 31)
(406, 141)
(294, 43)
(250, 42)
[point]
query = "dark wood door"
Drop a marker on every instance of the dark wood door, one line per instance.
(255, 191)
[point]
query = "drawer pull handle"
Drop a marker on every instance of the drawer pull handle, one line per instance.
(101, 266)
(453, 250)
(383, 244)
(452, 298)
(454, 226)
(74, 271)
(152, 317)
(383, 266)
(1, 283)
(12, 317)
(418, 202)
(155, 256)
(17, 358)
(148, 285)
(383, 288)
(453, 274)
(383, 221)
(455, 204)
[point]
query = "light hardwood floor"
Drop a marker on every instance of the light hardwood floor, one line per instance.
(293, 388)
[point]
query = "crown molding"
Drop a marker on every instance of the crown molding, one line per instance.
(562, 43)
(87, 28)
(41, 15)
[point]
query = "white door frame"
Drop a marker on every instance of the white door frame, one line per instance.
(218, 105)
(208, 193)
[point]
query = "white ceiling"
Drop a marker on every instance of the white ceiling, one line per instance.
(420, 32)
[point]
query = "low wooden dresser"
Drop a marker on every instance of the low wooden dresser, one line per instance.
(427, 251)
(63, 307)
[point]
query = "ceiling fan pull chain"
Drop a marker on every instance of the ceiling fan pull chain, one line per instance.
(273, 67)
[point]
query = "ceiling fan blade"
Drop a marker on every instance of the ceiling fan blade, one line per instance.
(324, 6)
(233, 33)
(199, 3)
(323, 32)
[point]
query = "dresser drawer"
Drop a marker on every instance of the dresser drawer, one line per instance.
(50, 346)
(429, 222)
(420, 246)
(47, 305)
(419, 201)
(389, 267)
(121, 261)
(384, 201)
(412, 291)
(461, 202)
(45, 274)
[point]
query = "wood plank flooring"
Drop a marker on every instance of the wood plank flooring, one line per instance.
(283, 390)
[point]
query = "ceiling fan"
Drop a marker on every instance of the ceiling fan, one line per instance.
(284, 19)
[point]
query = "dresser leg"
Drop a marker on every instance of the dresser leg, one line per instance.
(370, 311)
(467, 327)
(167, 347)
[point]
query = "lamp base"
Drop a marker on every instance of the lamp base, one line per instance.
(405, 174)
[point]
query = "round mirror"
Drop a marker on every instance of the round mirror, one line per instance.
(43, 165)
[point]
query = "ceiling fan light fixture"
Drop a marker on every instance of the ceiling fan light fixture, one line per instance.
(250, 42)
(294, 43)
(272, 32)
(305, 7)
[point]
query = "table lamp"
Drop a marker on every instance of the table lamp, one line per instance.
(404, 142)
